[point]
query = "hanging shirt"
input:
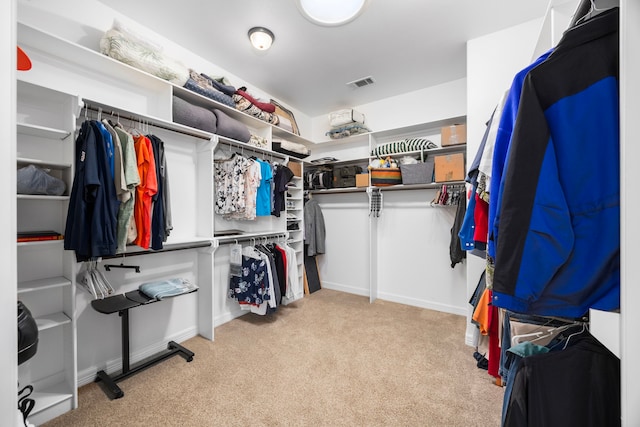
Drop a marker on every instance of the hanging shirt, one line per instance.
(118, 168)
(132, 179)
(263, 197)
(145, 191)
(314, 229)
(294, 287)
(229, 177)
(281, 179)
(93, 207)
(578, 386)
(158, 223)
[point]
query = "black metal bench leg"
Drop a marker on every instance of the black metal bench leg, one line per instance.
(110, 387)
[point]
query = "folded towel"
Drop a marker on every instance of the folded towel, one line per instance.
(167, 288)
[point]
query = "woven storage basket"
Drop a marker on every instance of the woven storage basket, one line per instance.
(383, 177)
(418, 173)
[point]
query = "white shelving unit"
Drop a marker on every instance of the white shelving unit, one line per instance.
(46, 122)
(47, 119)
(383, 243)
(295, 218)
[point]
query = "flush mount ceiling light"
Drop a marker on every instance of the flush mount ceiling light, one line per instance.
(261, 38)
(331, 12)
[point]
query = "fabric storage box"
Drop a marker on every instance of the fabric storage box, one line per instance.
(344, 117)
(382, 177)
(362, 180)
(418, 173)
(449, 167)
(453, 135)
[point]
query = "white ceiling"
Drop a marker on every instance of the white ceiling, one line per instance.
(404, 45)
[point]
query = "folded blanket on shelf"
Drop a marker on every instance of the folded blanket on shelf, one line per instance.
(291, 148)
(219, 83)
(167, 288)
(194, 116)
(348, 130)
(264, 106)
(244, 105)
(124, 46)
(230, 127)
(198, 84)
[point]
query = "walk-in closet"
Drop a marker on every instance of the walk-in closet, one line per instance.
(231, 214)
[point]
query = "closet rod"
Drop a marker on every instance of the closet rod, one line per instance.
(177, 247)
(139, 118)
(244, 146)
(249, 237)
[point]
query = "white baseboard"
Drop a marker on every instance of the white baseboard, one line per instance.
(446, 308)
(227, 317)
(88, 375)
(345, 288)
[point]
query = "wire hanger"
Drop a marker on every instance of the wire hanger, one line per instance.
(593, 10)
(584, 328)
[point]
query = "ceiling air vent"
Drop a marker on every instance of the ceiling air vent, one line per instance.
(366, 81)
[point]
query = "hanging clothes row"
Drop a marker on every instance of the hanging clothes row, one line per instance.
(551, 227)
(265, 277)
(120, 192)
(249, 187)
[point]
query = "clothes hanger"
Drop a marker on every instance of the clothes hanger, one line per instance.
(566, 343)
(539, 335)
(593, 10)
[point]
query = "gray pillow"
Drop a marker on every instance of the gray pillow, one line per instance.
(193, 116)
(231, 128)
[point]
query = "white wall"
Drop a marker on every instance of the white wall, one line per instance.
(414, 265)
(345, 265)
(420, 106)
(492, 62)
(630, 205)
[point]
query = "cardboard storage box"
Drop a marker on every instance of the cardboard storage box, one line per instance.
(362, 180)
(296, 168)
(453, 135)
(449, 167)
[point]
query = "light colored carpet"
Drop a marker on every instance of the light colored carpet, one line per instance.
(330, 359)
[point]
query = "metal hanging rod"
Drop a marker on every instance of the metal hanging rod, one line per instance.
(250, 237)
(97, 107)
(257, 150)
(177, 247)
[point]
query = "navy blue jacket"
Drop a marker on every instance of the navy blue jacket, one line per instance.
(93, 206)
